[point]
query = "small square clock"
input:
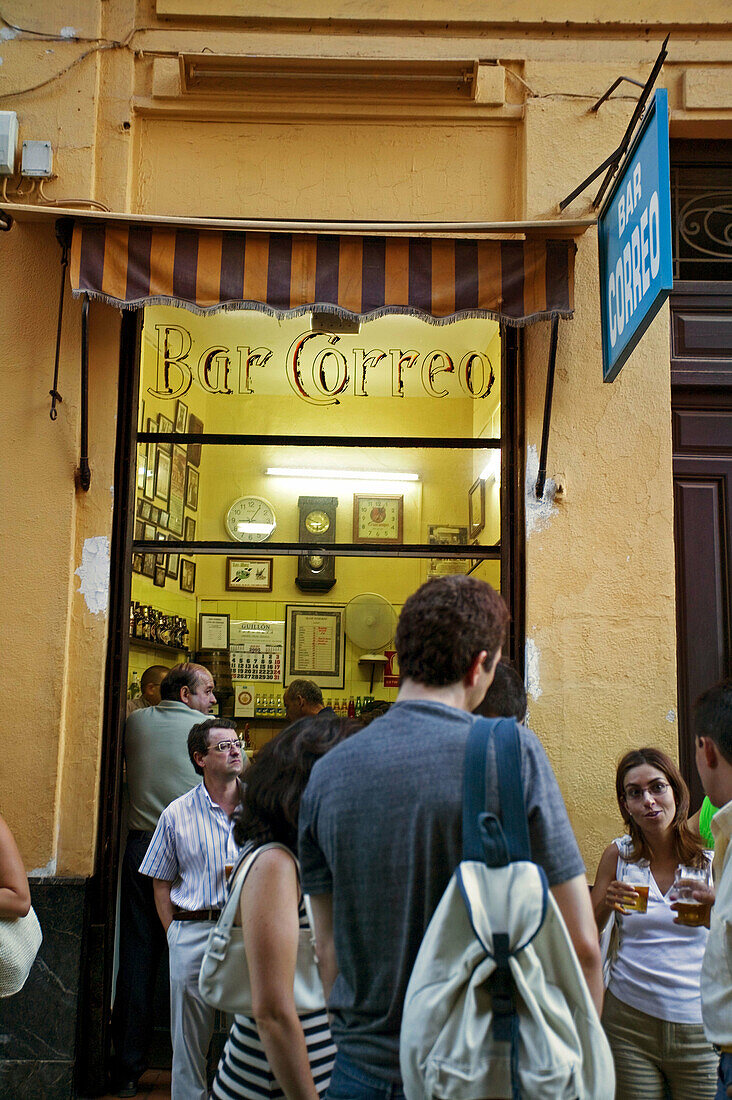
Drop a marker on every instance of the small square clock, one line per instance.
(378, 518)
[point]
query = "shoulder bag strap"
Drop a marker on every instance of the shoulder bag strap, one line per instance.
(508, 763)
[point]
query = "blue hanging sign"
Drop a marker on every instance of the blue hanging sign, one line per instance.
(634, 233)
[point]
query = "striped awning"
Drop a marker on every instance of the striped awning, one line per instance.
(360, 277)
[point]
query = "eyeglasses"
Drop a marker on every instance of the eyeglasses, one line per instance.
(224, 746)
(635, 794)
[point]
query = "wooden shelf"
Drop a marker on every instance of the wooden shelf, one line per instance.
(157, 647)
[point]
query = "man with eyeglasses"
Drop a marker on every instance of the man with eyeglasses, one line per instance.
(187, 861)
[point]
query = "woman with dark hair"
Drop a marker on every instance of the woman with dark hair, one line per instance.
(652, 1011)
(278, 1053)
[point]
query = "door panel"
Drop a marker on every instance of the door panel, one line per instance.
(703, 535)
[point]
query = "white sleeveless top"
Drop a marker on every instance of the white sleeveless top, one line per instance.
(658, 963)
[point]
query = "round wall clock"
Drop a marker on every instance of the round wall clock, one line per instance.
(251, 519)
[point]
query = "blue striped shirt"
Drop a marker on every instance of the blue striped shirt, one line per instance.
(190, 847)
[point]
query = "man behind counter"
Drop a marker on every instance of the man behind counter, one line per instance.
(158, 771)
(304, 699)
(150, 682)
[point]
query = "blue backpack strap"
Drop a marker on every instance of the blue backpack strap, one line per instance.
(477, 825)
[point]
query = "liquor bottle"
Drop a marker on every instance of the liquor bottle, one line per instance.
(351, 708)
(271, 712)
(358, 706)
(132, 619)
(140, 622)
(134, 688)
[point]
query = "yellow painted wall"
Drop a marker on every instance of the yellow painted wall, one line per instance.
(600, 564)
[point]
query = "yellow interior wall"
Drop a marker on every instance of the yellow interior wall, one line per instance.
(226, 473)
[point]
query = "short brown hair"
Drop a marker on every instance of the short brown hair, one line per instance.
(178, 677)
(443, 627)
(198, 737)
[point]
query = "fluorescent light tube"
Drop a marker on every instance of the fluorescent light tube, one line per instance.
(340, 475)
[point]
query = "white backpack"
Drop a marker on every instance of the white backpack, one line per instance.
(497, 1005)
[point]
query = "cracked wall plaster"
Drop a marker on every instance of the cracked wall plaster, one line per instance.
(94, 574)
(533, 682)
(538, 512)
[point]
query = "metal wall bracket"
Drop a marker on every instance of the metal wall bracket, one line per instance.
(613, 161)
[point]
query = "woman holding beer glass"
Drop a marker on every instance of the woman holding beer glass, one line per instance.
(652, 1011)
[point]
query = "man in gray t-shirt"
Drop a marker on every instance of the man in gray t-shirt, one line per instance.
(381, 829)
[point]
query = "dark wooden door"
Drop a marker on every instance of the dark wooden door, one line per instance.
(701, 372)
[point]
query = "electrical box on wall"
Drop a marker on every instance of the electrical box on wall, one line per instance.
(37, 159)
(8, 142)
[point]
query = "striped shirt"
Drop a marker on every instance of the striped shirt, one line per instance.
(190, 847)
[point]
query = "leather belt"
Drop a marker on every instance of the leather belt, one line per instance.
(195, 914)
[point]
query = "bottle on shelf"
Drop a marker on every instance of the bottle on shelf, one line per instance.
(351, 708)
(257, 706)
(271, 711)
(134, 689)
(358, 706)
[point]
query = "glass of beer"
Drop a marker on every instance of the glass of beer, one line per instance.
(638, 877)
(689, 911)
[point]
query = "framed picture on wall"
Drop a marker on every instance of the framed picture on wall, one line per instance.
(162, 476)
(173, 565)
(137, 563)
(139, 530)
(315, 644)
(177, 490)
(154, 515)
(181, 417)
(159, 575)
(194, 449)
(144, 509)
(164, 519)
(150, 532)
(445, 534)
(476, 508)
(190, 530)
(164, 425)
(213, 631)
(249, 574)
(148, 565)
(187, 575)
(192, 489)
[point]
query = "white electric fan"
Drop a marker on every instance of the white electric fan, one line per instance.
(370, 623)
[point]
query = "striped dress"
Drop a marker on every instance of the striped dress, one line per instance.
(244, 1072)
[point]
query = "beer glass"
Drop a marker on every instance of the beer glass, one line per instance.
(689, 911)
(638, 877)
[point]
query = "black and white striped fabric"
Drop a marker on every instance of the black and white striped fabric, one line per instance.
(244, 1072)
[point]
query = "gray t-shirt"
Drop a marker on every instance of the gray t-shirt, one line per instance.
(381, 830)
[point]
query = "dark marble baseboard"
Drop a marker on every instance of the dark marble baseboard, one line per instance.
(38, 1026)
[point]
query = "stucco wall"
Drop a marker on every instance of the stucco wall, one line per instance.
(600, 616)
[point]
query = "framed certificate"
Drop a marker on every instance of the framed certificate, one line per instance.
(315, 644)
(213, 631)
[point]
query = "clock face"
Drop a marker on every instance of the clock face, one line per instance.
(378, 519)
(251, 519)
(317, 521)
